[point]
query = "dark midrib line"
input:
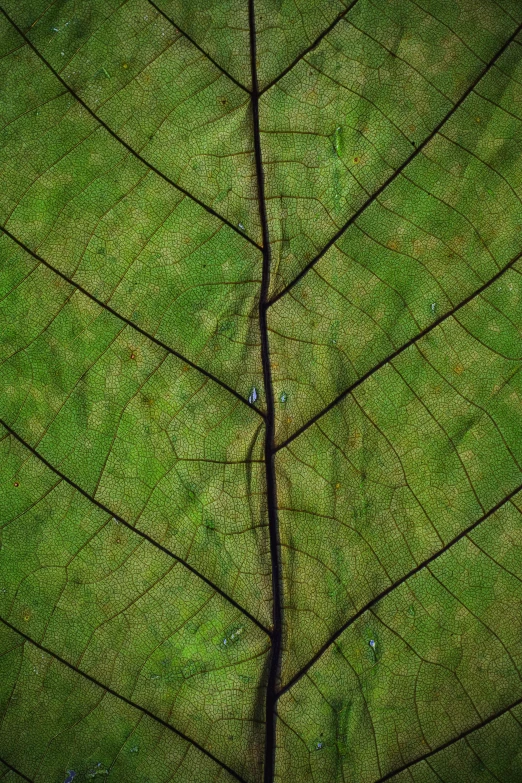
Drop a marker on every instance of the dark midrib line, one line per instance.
(271, 487)
(121, 141)
(117, 695)
(309, 48)
(394, 586)
(125, 320)
(16, 771)
(136, 530)
(198, 47)
(400, 350)
(450, 742)
(399, 170)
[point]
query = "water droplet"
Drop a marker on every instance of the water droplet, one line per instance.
(71, 774)
(283, 397)
(241, 226)
(224, 641)
(154, 676)
(433, 306)
(134, 749)
(372, 643)
(338, 141)
(319, 746)
(98, 770)
(56, 29)
(253, 395)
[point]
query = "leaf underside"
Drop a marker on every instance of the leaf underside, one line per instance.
(260, 391)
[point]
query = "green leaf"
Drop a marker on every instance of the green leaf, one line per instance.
(260, 391)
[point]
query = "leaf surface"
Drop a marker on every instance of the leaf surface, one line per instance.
(260, 396)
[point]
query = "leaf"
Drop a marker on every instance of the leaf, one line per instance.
(260, 391)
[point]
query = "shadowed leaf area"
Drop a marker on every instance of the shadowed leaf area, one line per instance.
(260, 391)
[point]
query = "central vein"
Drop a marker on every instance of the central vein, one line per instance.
(271, 490)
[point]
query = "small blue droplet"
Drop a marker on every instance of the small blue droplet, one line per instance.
(372, 644)
(71, 774)
(253, 396)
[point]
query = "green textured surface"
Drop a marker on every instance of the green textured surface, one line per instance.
(260, 391)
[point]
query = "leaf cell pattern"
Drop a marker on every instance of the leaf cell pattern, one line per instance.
(260, 391)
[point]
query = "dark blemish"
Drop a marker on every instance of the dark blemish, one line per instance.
(16, 484)
(414, 143)
(133, 356)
